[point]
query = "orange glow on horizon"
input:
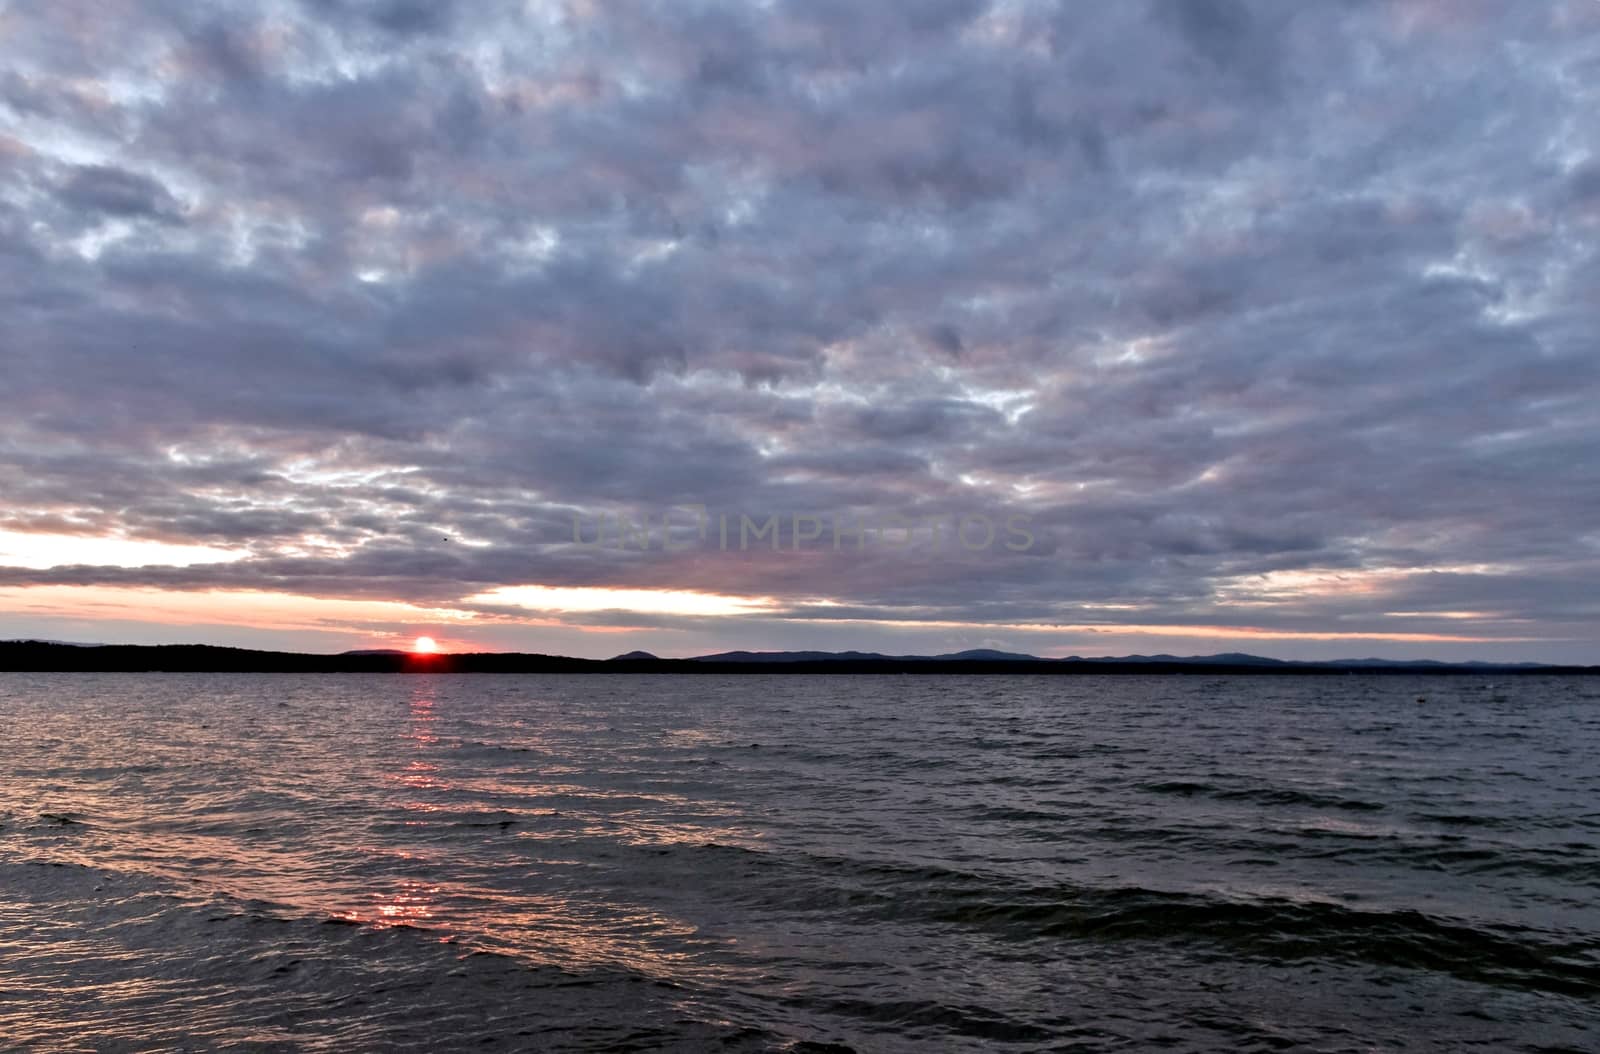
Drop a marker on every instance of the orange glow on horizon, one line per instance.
(350, 622)
(426, 646)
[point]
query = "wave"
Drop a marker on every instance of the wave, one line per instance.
(1264, 795)
(1273, 929)
(219, 972)
(1289, 931)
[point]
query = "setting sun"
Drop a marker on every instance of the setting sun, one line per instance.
(425, 646)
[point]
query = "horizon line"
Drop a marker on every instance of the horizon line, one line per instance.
(813, 657)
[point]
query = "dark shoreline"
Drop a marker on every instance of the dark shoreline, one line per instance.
(196, 658)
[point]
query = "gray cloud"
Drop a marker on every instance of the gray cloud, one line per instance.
(111, 191)
(1220, 293)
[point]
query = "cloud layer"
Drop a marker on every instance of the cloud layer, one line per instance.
(1277, 321)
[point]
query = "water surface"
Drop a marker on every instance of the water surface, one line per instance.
(788, 862)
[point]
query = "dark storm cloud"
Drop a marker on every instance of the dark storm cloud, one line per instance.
(1227, 296)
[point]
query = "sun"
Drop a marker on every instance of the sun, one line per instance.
(425, 646)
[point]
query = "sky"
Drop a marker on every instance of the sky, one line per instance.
(1177, 326)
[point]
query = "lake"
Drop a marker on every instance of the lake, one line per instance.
(804, 863)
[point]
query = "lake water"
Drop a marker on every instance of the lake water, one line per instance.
(798, 863)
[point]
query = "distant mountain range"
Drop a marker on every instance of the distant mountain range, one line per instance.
(52, 655)
(977, 654)
(990, 655)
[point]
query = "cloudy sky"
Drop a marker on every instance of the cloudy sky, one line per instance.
(1275, 326)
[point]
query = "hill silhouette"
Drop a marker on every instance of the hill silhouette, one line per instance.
(123, 658)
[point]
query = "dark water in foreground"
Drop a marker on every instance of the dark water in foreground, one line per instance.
(753, 863)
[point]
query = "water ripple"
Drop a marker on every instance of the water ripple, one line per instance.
(792, 863)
